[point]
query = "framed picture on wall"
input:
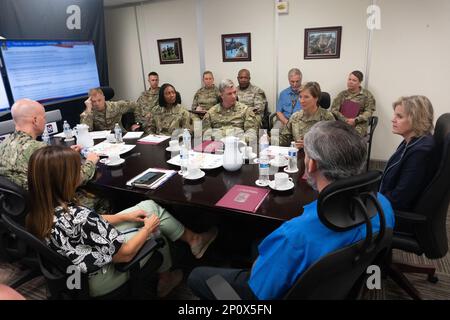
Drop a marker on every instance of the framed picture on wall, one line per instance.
(170, 51)
(323, 43)
(236, 47)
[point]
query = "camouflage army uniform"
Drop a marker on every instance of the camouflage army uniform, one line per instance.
(366, 102)
(16, 151)
(166, 120)
(254, 98)
(236, 120)
(206, 98)
(148, 101)
(106, 119)
(299, 124)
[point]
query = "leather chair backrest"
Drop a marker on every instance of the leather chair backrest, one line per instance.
(325, 100)
(434, 201)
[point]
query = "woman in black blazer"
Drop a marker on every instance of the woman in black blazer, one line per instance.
(411, 167)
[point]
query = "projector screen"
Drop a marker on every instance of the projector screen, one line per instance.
(48, 71)
(4, 103)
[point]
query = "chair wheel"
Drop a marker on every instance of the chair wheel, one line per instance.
(432, 278)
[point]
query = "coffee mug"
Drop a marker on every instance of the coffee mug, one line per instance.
(247, 152)
(193, 168)
(281, 180)
(113, 158)
(111, 138)
(174, 144)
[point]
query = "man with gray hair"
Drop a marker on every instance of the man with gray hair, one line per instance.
(288, 101)
(333, 151)
(229, 117)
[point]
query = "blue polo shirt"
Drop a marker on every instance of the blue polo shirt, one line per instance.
(285, 102)
(289, 250)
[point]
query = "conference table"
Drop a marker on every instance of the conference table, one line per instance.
(204, 193)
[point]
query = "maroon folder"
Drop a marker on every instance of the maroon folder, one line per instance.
(243, 198)
(350, 109)
(209, 146)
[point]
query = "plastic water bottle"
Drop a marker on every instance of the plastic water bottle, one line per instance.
(184, 159)
(67, 131)
(263, 143)
(187, 139)
(292, 152)
(264, 169)
(118, 133)
(46, 137)
(84, 152)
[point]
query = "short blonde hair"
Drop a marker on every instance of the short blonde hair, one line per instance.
(95, 91)
(420, 112)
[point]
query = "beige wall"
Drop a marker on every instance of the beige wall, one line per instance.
(409, 53)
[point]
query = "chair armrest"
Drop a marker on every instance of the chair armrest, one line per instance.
(221, 289)
(151, 245)
(409, 217)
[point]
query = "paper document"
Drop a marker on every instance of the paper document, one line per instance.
(133, 135)
(106, 148)
(153, 139)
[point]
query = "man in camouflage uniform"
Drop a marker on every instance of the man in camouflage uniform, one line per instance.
(103, 115)
(16, 150)
(148, 101)
(169, 116)
(355, 94)
(250, 95)
(207, 96)
(229, 116)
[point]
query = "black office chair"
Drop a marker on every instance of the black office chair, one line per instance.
(428, 218)
(108, 92)
(373, 121)
(342, 205)
(13, 202)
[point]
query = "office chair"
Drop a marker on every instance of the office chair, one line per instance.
(7, 126)
(13, 202)
(373, 121)
(343, 205)
(324, 102)
(108, 92)
(428, 218)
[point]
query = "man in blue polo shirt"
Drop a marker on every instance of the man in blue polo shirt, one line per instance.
(288, 101)
(298, 243)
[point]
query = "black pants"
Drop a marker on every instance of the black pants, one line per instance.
(237, 278)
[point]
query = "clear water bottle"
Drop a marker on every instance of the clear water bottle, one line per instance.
(67, 131)
(187, 139)
(45, 137)
(184, 159)
(292, 152)
(263, 143)
(264, 167)
(118, 133)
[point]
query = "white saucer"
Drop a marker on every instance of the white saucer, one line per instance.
(113, 164)
(252, 156)
(289, 171)
(200, 175)
(262, 184)
(276, 163)
(288, 186)
(172, 150)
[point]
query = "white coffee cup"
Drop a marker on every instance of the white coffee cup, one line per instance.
(113, 158)
(111, 138)
(174, 144)
(282, 180)
(193, 169)
(247, 151)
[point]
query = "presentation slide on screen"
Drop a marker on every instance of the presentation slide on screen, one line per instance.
(4, 103)
(48, 71)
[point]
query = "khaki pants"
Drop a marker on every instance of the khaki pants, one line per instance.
(108, 278)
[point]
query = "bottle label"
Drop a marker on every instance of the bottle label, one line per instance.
(292, 153)
(264, 166)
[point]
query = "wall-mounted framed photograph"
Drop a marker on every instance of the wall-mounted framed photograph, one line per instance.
(170, 51)
(236, 47)
(323, 43)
